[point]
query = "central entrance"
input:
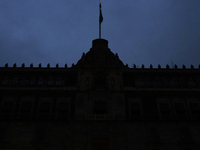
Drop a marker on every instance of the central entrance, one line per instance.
(100, 144)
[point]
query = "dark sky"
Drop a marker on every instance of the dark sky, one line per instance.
(140, 31)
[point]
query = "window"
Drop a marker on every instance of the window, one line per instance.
(26, 107)
(135, 108)
(58, 81)
(112, 81)
(165, 111)
(164, 108)
(174, 82)
(33, 81)
(141, 82)
(45, 107)
(63, 107)
(157, 82)
(166, 82)
(15, 81)
(41, 81)
(148, 82)
(99, 107)
(191, 82)
(50, 81)
(5, 81)
(183, 82)
(180, 110)
(194, 107)
(23, 81)
(40, 134)
(7, 107)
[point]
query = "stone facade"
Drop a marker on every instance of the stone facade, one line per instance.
(99, 104)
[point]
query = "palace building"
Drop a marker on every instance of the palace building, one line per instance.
(99, 104)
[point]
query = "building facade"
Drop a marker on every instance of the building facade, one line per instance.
(99, 104)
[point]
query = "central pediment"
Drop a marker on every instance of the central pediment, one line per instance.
(100, 56)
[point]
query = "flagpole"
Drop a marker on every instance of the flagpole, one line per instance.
(99, 22)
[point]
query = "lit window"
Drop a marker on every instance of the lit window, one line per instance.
(26, 107)
(100, 107)
(7, 107)
(45, 107)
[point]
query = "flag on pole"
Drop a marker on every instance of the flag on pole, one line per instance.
(100, 16)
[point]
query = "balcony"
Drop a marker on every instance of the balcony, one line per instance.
(100, 116)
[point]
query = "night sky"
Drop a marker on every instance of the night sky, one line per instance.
(140, 31)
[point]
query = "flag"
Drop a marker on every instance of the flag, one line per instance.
(100, 16)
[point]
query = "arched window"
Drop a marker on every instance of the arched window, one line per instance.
(33, 81)
(191, 82)
(157, 82)
(15, 81)
(58, 81)
(148, 82)
(5, 81)
(140, 82)
(23, 81)
(198, 81)
(41, 81)
(50, 81)
(174, 82)
(182, 81)
(165, 82)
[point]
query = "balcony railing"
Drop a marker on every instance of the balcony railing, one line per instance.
(100, 116)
